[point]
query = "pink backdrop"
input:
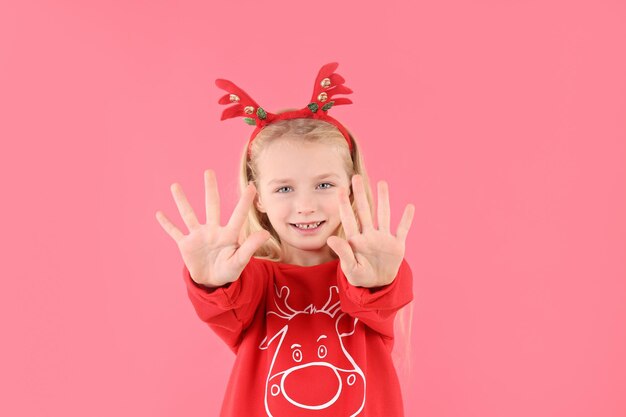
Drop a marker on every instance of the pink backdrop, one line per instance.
(502, 121)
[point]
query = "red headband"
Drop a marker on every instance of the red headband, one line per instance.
(327, 84)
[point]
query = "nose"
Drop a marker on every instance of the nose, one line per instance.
(305, 203)
(326, 377)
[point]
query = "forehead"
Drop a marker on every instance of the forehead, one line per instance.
(285, 159)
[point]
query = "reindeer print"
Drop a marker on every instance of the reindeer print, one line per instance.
(311, 372)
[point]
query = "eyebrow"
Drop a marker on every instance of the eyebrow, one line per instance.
(284, 180)
(321, 337)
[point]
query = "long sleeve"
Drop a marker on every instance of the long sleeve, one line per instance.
(229, 309)
(377, 307)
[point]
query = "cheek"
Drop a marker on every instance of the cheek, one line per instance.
(331, 203)
(278, 210)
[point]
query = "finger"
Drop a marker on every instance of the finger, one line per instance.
(405, 222)
(362, 205)
(348, 221)
(251, 244)
(184, 208)
(212, 199)
(343, 250)
(384, 216)
(169, 227)
(240, 212)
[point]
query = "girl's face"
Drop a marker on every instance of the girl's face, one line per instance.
(298, 185)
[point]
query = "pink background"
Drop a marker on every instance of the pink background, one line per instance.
(502, 121)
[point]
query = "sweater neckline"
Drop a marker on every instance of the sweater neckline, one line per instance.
(283, 265)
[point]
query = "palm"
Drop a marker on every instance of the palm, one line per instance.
(203, 249)
(378, 256)
(211, 252)
(370, 257)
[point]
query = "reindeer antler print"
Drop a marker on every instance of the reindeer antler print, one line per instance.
(285, 304)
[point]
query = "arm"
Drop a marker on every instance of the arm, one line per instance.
(229, 309)
(377, 307)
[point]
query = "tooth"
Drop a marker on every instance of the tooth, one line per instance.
(307, 226)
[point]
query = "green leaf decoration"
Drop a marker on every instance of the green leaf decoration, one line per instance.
(249, 120)
(261, 113)
(328, 105)
(313, 107)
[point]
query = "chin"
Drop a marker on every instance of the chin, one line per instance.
(312, 245)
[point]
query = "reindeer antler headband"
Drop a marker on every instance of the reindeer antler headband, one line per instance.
(327, 84)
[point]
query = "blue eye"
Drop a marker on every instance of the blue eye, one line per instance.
(288, 187)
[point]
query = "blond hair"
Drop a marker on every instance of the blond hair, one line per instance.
(319, 131)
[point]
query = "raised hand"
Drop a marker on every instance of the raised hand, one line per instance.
(370, 257)
(212, 252)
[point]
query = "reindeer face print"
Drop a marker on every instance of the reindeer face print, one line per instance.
(311, 372)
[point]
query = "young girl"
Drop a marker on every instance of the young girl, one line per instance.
(301, 283)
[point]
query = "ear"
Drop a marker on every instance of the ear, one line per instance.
(345, 325)
(258, 204)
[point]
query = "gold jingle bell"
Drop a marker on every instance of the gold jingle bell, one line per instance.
(248, 109)
(325, 82)
(234, 98)
(323, 96)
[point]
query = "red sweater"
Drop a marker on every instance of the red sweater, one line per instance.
(308, 343)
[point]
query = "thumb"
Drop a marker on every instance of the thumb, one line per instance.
(343, 250)
(251, 244)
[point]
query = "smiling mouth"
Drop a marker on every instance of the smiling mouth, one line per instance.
(308, 226)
